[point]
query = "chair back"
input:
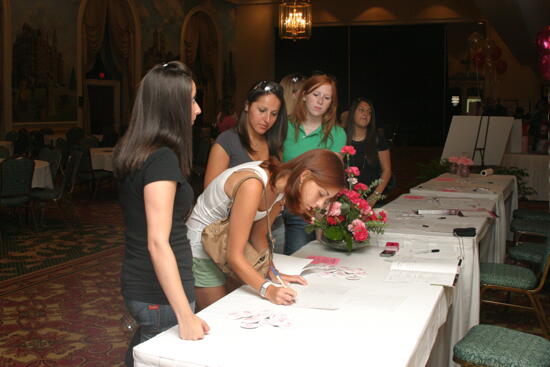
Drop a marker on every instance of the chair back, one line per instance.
(89, 142)
(85, 169)
(36, 143)
(12, 136)
(21, 145)
(71, 170)
(47, 131)
(4, 152)
(16, 177)
(53, 157)
(74, 135)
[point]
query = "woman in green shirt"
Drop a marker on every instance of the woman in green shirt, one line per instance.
(311, 126)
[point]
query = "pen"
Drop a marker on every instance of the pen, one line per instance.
(427, 251)
(278, 276)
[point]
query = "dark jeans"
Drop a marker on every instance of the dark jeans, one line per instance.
(295, 233)
(152, 320)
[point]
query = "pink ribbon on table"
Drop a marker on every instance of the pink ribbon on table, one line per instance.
(414, 197)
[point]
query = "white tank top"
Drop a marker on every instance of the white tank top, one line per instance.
(213, 205)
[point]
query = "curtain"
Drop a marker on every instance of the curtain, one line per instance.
(123, 33)
(201, 39)
(117, 15)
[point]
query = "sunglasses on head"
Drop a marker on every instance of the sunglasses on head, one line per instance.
(267, 86)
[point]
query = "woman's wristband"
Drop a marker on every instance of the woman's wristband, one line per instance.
(263, 288)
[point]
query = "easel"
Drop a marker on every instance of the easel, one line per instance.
(481, 149)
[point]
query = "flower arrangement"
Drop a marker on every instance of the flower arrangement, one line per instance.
(350, 217)
(461, 161)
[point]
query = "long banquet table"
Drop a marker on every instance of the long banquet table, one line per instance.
(500, 188)
(379, 324)
(436, 231)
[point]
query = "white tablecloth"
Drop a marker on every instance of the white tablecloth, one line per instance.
(41, 176)
(102, 158)
(538, 167)
(500, 188)
(379, 324)
(436, 231)
(8, 145)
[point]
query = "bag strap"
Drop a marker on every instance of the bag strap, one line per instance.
(271, 241)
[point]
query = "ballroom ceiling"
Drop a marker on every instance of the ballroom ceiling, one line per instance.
(516, 21)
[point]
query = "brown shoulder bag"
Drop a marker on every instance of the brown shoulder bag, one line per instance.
(215, 240)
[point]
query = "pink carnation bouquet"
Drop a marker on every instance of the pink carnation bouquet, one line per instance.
(349, 217)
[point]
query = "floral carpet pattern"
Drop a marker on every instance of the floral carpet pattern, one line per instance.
(71, 317)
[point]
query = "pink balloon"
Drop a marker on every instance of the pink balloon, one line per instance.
(544, 66)
(479, 59)
(501, 66)
(543, 41)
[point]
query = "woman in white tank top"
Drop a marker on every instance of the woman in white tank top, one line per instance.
(304, 183)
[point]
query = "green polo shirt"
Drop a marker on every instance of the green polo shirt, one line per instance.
(293, 148)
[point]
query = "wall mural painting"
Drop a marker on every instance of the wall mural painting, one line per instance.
(161, 22)
(44, 52)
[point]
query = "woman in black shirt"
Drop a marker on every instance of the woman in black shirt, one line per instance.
(372, 155)
(151, 162)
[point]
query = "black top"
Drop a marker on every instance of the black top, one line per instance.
(369, 172)
(139, 280)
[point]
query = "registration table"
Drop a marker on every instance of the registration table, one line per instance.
(102, 158)
(500, 188)
(41, 178)
(435, 231)
(379, 323)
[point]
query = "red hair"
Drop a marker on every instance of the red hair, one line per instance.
(300, 111)
(326, 169)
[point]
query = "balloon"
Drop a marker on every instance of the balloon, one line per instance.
(501, 66)
(543, 41)
(490, 48)
(478, 59)
(475, 40)
(544, 66)
(495, 53)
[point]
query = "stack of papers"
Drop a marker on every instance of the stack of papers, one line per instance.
(433, 270)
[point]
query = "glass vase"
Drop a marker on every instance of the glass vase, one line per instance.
(463, 170)
(342, 245)
(453, 168)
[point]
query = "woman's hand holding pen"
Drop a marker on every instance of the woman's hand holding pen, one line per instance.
(281, 295)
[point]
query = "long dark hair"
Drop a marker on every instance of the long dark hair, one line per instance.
(300, 111)
(371, 141)
(161, 117)
(326, 167)
(277, 133)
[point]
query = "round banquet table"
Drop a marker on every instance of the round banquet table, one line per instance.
(102, 158)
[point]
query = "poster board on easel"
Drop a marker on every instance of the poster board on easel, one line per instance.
(514, 143)
(490, 132)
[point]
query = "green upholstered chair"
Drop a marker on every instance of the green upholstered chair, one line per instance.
(87, 174)
(531, 252)
(15, 184)
(53, 157)
(495, 346)
(4, 152)
(62, 193)
(532, 214)
(518, 279)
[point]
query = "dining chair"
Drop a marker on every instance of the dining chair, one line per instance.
(62, 145)
(87, 174)
(89, 142)
(520, 280)
(4, 152)
(62, 193)
(53, 157)
(532, 252)
(496, 346)
(74, 135)
(15, 184)
(12, 136)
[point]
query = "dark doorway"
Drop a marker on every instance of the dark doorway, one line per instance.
(401, 68)
(102, 109)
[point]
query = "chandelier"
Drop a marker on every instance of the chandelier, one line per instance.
(295, 20)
